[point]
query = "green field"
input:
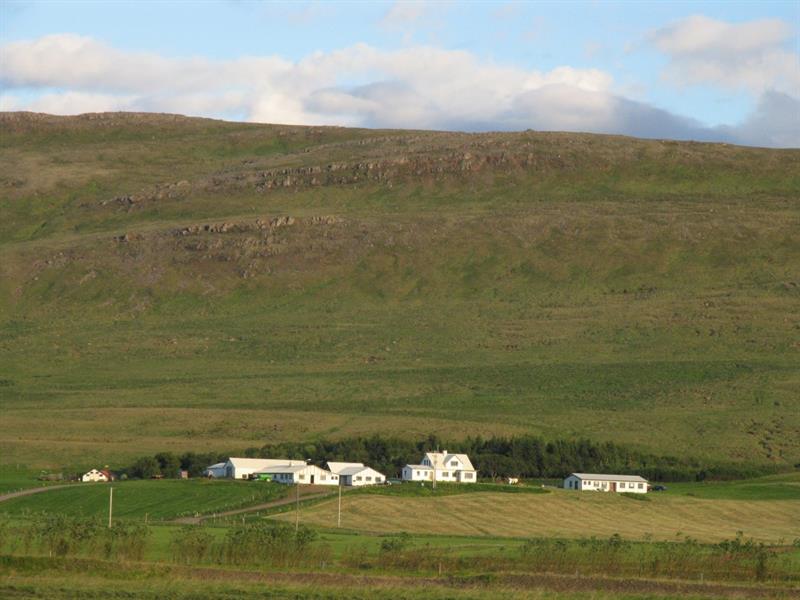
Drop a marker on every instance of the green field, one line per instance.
(644, 292)
(774, 487)
(156, 499)
(404, 541)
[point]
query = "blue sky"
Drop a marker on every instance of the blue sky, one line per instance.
(703, 70)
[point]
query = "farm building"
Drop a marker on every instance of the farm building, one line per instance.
(606, 483)
(216, 470)
(298, 474)
(242, 468)
(356, 474)
(443, 466)
(95, 475)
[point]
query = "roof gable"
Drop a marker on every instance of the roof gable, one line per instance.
(352, 471)
(338, 467)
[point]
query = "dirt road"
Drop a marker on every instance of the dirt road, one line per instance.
(308, 492)
(31, 491)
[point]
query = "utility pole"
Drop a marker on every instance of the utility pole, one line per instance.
(339, 515)
(297, 507)
(110, 504)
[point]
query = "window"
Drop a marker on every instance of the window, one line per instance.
(369, 478)
(358, 477)
(453, 463)
(467, 475)
(302, 475)
(641, 486)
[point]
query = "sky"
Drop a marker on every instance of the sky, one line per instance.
(708, 71)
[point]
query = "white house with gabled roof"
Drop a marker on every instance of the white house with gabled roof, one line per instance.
(356, 474)
(442, 466)
(606, 483)
(96, 475)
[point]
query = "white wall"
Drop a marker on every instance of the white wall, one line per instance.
(411, 474)
(94, 475)
(605, 486)
(366, 477)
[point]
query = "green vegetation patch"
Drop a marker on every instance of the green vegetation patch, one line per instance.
(156, 499)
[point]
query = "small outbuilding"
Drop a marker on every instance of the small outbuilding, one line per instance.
(598, 482)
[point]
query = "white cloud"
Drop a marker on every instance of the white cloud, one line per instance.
(755, 55)
(414, 87)
(406, 13)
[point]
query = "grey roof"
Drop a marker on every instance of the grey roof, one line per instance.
(283, 469)
(260, 463)
(219, 465)
(602, 477)
(356, 470)
(420, 467)
(337, 467)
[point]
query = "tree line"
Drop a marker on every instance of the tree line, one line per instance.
(494, 457)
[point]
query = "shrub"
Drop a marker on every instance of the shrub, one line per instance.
(191, 544)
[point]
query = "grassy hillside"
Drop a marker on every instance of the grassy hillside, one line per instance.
(181, 284)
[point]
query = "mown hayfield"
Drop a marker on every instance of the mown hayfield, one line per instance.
(563, 514)
(157, 499)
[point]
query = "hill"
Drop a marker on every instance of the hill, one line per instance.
(170, 283)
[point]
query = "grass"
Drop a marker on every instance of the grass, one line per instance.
(14, 478)
(415, 490)
(773, 487)
(142, 585)
(638, 291)
(562, 514)
(156, 499)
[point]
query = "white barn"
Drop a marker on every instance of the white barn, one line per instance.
(302, 474)
(242, 468)
(94, 475)
(356, 474)
(443, 466)
(606, 483)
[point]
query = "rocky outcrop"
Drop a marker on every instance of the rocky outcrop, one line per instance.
(256, 225)
(425, 160)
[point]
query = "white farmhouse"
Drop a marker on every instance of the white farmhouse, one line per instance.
(242, 468)
(606, 483)
(301, 474)
(442, 466)
(95, 475)
(356, 474)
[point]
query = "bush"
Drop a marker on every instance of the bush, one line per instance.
(191, 545)
(270, 543)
